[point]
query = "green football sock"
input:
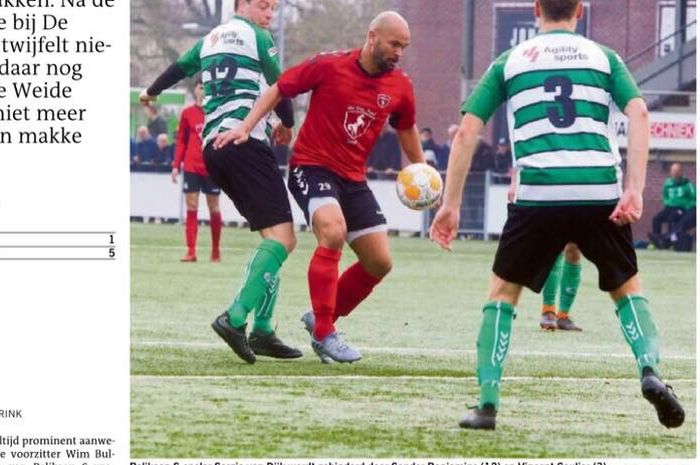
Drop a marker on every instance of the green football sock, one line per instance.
(549, 291)
(570, 281)
(640, 331)
(263, 316)
(491, 350)
(262, 268)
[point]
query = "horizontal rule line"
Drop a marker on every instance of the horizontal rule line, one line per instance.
(56, 259)
(57, 232)
(57, 246)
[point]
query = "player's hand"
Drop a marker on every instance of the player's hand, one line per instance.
(511, 192)
(237, 136)
(629, 209)
(281, 135)
(444, 227)
(173, 175)
(147, 99)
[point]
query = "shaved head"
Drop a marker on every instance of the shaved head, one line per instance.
(387, 38)
(389, 20)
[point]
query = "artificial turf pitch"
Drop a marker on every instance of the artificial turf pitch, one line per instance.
(564, 394)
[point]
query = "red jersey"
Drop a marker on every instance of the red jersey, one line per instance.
(347, 112)
(188, 145)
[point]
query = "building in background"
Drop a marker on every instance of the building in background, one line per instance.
(453, 42)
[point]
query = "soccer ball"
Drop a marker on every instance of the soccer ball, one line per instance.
(419, 186)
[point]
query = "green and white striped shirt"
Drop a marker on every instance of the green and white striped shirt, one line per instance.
(561, 90)
(238, 61)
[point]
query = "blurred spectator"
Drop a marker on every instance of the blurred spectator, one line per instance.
(430, 148)
(164, 151)
(145, 146)
(385, 157)
(483, 156)
(503, 159)
(679, 209)
(156, 123)
(444, 154)
(132, 149)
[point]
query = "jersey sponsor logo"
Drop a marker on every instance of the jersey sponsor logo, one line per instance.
(532, 53)
(229, 37)
(383, 100)
(566, 53)
(357, 121)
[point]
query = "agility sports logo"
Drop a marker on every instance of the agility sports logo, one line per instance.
(357, 122)
(532, 53)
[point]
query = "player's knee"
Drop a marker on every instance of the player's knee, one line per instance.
(284, 234)
(572, 253)
(381, 267)
(290, 243)
(331, 233)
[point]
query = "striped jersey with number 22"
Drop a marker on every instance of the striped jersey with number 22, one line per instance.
(561, 91)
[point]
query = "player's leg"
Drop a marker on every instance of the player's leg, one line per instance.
(191, 189)
(212, 193)
(249, 175)
(491, 349)
(548, 318)
(368, 238)
(611, 249)
(570, 282)
(529, 246)
(641, 334)
(316, 190)
(358, 280)
(263, 339)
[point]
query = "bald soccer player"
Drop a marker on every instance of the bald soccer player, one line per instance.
(354, 93)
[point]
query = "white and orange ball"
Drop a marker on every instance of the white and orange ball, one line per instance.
(419, 186)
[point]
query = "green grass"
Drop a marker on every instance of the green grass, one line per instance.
(565, 395)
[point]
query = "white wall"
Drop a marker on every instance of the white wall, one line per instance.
(155, 195)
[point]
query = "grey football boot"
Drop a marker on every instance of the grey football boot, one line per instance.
(336, 348)
(309, 322)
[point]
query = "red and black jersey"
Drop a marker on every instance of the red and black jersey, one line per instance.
(188, 146)
(347, 111)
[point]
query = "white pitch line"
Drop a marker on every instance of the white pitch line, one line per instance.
(384, 378)
(417, 351)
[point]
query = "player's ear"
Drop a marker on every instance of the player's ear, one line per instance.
(372, 38)
(579, 11)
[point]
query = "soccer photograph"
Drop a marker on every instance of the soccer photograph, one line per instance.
(413, 228)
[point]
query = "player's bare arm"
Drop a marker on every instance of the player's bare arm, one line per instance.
(262, 107)
(409, 140)
(629, 208)
(444, 227)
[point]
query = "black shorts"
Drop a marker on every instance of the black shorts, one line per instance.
(315, 186)
(533, 237)
(193, 182)
(249, 175)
